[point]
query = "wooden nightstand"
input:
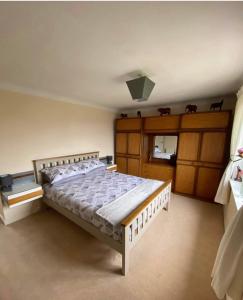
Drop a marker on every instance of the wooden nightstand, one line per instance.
(111, 167)
(21, 201)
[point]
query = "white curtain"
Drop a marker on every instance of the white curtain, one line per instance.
(229, 260)
(223, 192)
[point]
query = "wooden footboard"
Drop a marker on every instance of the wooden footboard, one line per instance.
(134, 226)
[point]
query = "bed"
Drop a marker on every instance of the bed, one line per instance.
(115, 208)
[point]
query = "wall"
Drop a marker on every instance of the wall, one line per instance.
(179, 108)
(34, 127)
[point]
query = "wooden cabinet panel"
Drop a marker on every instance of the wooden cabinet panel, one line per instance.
(213, 147)
(158, 171)
(206, 120)
(185, 178)
(133, 166)
(162, 123)
(121, 143)
(121, 164)
(188, 145)
(134, 140)
(129, 124)
(207, 182)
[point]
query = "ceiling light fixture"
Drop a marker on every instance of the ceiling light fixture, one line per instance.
(140, 88)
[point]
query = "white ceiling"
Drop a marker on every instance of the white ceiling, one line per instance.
(85, 51)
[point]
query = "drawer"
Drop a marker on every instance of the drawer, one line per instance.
(24, 198)
(158, 171)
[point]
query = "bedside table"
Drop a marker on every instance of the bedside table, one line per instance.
(20, 202)
(111, 167)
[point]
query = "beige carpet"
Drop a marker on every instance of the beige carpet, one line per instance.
(46, 256)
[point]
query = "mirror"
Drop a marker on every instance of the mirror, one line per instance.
(165, 147)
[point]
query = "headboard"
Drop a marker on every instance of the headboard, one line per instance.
(40, 164)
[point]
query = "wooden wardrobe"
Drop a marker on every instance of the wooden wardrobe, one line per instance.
(202, 153)
(202, 150)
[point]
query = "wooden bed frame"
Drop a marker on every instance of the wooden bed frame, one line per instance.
(131, 231)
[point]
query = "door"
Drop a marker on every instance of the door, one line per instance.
(129, 124)
(133, 166)
(162, 123)
(206, 120)
(207, 182)
(213, 147)
(134, 143)
(121, 164)
(121, 143)
(188, 146)
(185, 178)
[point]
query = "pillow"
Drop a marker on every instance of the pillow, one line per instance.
(57, 173)
(89, 165)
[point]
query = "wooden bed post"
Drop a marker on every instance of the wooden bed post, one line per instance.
(125, 250)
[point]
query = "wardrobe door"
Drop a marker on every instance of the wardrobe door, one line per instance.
(185, 178)
(121, 164)
(213, 147)
(188, 146)
(121, 143)
(129, 124)
(134, 143)
(206, 120)
(207, 182)
(133, 166)
(161, 123)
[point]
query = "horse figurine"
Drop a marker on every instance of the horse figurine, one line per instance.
(164, 111)
(217, 105)
(123, 115)
(191, 108)
(139, 115)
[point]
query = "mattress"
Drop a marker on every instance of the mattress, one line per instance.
(84, 195)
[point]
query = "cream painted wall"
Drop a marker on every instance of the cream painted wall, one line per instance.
(34, 127)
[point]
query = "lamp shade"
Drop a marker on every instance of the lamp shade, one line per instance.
(140, 88)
